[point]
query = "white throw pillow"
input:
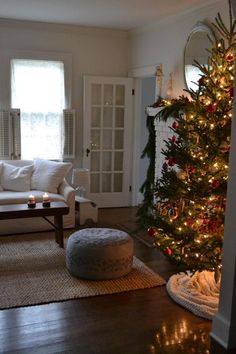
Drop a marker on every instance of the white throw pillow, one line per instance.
(1, 164)
(48, 175)
(16, 179)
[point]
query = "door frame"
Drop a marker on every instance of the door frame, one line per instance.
(138, 74)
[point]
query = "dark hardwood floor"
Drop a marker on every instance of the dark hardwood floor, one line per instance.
(135, 322)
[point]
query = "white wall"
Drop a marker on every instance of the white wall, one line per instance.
(89, 51)
(164, 42)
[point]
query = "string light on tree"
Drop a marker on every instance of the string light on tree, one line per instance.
(187, 218)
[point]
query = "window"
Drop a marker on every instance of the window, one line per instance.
(38, 90)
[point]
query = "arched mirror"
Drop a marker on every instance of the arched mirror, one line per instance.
(199, 40)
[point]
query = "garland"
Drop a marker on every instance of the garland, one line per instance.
(145, 211)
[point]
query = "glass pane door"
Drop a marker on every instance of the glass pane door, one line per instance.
(110, 120)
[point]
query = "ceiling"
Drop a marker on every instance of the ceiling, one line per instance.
(119, 14)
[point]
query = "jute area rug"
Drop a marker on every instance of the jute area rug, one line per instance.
(33, 271)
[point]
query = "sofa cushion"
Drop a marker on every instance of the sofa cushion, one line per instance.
(10, 197)
(48, 175)
(16, 178)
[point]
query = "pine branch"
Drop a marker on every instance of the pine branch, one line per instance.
(173, 109)
(221, 25)
(222, 29)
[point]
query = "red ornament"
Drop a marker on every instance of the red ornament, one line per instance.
(175, 125)
(167, 251)
(171, 161)
(224, 147)
(151, 231)
(211, 108)
(206, 221)
(214, 224)
(229, 57)
(173, 139)
(215, 183)
(191, 169)
(231, 92)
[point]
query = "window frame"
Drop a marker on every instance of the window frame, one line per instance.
(66, 58)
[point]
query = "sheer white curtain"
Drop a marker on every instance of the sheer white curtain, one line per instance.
(37, 88)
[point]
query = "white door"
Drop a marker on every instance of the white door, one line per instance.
(108, 139)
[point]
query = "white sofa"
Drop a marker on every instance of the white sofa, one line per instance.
(20, 178)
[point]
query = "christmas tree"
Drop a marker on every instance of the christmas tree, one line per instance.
(187, 217)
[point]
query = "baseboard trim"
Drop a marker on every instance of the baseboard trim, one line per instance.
(223, 332)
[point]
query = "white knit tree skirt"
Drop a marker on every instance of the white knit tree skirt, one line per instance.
(198, 293)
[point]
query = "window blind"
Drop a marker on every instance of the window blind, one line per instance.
(69, 133)
(10, 134)
(10, 144)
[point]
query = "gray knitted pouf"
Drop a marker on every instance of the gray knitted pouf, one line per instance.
(99, 253)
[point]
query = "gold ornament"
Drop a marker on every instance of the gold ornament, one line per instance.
(181, 174)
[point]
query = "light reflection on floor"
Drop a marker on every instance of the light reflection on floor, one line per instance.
(180, 338)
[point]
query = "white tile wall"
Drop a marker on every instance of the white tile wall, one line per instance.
(163, 132)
